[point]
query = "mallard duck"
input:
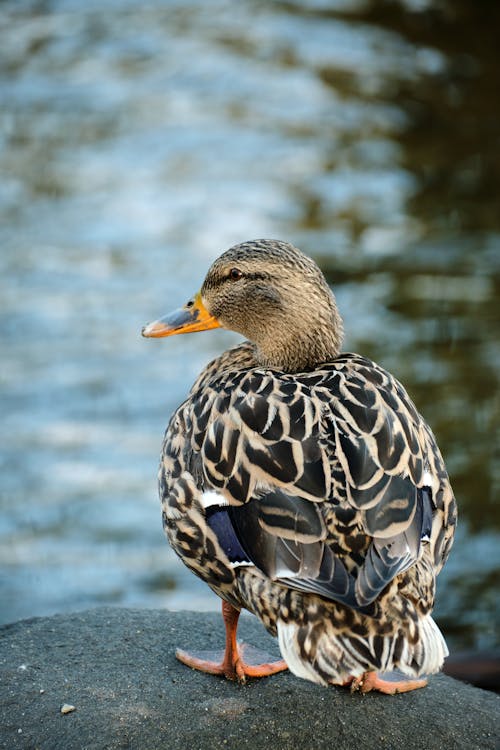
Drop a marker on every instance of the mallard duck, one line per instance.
(301, 483)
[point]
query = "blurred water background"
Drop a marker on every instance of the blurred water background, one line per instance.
(137, 141)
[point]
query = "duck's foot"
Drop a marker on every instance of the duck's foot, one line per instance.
(369, 681)
(234, 668)
(230, 663)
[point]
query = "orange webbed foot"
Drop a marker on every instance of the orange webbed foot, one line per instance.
(238, 661)
(369, 681)
(236, 668)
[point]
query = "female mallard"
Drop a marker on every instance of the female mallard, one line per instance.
(302, 484)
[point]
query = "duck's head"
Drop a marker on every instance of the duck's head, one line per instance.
(275, 296)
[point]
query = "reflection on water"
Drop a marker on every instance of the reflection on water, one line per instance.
(136, 144)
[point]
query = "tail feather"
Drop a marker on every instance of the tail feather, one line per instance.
(336, 657)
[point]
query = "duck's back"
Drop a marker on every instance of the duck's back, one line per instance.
(335, 482)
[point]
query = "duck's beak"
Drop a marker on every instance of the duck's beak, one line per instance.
(192, 317)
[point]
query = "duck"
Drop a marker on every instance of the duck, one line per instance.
(300, 483)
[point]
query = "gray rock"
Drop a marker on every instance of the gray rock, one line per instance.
(117, 668)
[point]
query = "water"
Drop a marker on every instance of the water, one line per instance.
(139, 141)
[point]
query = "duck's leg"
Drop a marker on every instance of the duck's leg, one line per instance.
(230, 664)
(369, 681)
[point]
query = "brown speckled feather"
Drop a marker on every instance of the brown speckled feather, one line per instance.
(338, 494)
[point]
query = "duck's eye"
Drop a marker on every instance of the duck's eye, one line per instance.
(235, 274)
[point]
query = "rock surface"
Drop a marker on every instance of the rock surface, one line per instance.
(117, 668)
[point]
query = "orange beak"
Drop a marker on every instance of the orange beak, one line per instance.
(192, 317)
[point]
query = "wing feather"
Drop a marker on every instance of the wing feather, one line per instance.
(289, 452)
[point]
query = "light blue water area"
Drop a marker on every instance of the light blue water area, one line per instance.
(138, 141)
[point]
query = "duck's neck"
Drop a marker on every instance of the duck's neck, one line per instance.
(303, 346)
